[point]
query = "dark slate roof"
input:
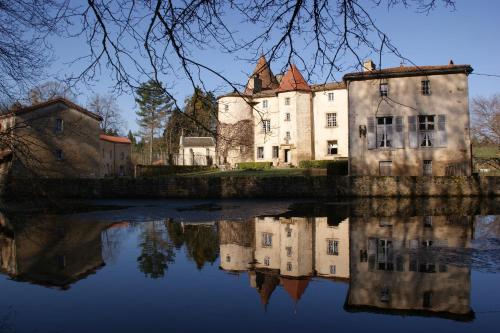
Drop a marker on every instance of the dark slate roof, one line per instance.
(403, 71)
(197, 141)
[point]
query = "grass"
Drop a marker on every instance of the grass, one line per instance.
(246, 173)
(485, 151)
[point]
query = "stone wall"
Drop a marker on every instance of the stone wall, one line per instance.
(254, 187)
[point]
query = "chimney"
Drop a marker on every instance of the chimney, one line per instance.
(257, 84)
(368, 65)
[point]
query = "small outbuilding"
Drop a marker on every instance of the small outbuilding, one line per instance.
(196, 150)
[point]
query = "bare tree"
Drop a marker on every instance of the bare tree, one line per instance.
(25, 26)
(50, 90)
(106, 107)
(486, 119)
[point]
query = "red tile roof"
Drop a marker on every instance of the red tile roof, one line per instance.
(293, 81)
(295, 287)
(264, 73)
(114, 139)
(402, 71)
(57, 100)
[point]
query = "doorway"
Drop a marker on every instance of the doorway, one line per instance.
(288, 155)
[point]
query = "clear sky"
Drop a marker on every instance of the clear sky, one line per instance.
(468, 35)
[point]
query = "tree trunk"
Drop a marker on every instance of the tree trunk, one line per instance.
(151, 146)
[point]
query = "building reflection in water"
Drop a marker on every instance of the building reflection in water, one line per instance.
(51, 252)
(393, 265)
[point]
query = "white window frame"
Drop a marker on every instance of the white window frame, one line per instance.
(384, 89)
(426, 130)
(276, 151)
(331, 119)
(267, 239)
(332, 247)
(425, 87)
(265, 104)
(331, 97)
(386, 141)
(266, 125)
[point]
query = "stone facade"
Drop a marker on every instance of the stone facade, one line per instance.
(196, 151)
(409, 121)
(53, 139)
(115, 156)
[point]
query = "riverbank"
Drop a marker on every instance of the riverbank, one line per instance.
(297, 186)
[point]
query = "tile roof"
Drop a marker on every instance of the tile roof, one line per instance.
(57, 100)
(197, 141)
(403, 71)
(293, 81)
(328, 86)
(264, 73)
(114, 139)
(295, 287)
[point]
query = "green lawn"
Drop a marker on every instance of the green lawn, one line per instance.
(241, 173)
(485, 151)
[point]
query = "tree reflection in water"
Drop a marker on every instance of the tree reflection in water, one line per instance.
(157, 250)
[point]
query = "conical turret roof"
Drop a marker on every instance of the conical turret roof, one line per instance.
(293, 81)
(264, 73)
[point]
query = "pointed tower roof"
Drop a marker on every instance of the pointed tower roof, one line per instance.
(295, 287)
(264, 73)
(293, 81)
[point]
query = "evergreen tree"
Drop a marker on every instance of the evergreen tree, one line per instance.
(131, 137)
(154, 105)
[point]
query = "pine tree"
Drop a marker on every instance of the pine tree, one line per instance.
(154, 105)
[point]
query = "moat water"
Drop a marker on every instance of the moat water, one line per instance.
(253, 266)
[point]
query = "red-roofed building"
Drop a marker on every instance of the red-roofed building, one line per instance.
(116, 154)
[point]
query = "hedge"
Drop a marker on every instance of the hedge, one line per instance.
(255, 165)
(334, 167)
(162, 170)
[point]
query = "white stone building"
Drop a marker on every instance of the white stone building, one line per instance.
(283, 120)
(196, 151)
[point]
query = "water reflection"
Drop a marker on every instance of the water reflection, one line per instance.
(390, 263)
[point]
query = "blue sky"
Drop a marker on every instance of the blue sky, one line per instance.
(468, 35)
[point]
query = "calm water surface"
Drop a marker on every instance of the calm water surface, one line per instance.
(242, 266)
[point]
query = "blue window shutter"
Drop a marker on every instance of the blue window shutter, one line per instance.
(370, 135)
(412, 131)
(441, 132)
(399, 132)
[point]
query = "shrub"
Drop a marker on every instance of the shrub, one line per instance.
(334, 167)
(255, 165)
(162, 170)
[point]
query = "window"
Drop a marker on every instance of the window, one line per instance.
(267, 239)
(427, 168)
(243, 149)
(122, 170)
(226, 107)
(59, 125)
(288, 232)
(265, 104)
(122, 156)
(332, 247)
(427, 243)
(385, 256)
(260, 152)
(385, 168)
(330, 97)
(287, 136)
(266, 126)
(287, 100)
(287, 116)
(267, 261)
(384, 132)
(428, 221)
(426, 87)
(333, 147)
(384, 295)
(110, 154)
(384, 89)
(289, 251)
(275, 151)
(426, 130)
(331, 120)
(228, 258)
(333, 269)
(289, 266)
(59, 155)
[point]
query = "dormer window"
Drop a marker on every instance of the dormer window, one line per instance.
(384, 89)
(265, 104)
(330, 97)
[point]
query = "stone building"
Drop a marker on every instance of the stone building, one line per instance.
(409, 121)
(115, 156)
(283, 119)
(196, 151)
(56, 138)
